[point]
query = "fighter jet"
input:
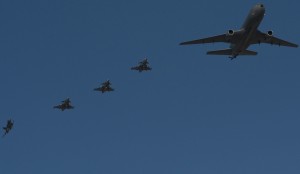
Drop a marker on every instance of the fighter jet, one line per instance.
(9, 126)
(143, 66)
(105, 87)
(66, 104)
(241, 39)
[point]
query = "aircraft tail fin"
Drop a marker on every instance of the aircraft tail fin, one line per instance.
(229, 52)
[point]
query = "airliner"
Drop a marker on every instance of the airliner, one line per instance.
(241, 39)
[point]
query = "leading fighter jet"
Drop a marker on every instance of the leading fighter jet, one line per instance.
(105, 87)
(241, 39)
(66, 104)
(143, 66)
(9, 126)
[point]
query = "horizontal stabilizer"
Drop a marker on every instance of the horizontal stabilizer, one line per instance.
(220, 52)
(248, 52)
(230, 52)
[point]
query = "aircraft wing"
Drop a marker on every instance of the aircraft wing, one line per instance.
(70, 107)
(97, 89)
(110, 89)
(59, 107)
(264, 38)
(135, 68)
(218, 38)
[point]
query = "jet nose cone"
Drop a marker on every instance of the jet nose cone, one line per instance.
(260, 8)
(261, 5)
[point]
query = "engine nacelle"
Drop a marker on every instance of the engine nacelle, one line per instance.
(230, 32)
(270, 33)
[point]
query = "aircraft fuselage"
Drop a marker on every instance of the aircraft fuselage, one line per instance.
(249, 29)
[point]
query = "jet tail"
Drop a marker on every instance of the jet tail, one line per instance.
(230, 52)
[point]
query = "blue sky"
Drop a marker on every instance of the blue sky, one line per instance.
(191, 114)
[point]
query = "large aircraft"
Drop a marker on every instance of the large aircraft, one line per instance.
(105, 87)
(66, 104)
(241, 39)
(9, 126)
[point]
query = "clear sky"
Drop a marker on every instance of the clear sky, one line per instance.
(192, 114)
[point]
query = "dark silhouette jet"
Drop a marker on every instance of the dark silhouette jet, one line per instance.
(143, 66)
(241, 39)
(66, 104)
(9, 126)
(105, 87)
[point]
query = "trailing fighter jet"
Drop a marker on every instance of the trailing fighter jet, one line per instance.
(241, 39)
(106, 83)
(105, 87)
(143, 66)
(9, 126)
(66, 104)
(144, 62)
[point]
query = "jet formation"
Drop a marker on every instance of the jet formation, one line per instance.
(241, 39)
(9, 126)
(143, 66)
(105, 87)
(66, 104)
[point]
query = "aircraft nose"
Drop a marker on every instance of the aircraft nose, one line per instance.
(260, 8)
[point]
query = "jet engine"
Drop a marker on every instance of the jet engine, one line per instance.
(270, 33)
(230, 32)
